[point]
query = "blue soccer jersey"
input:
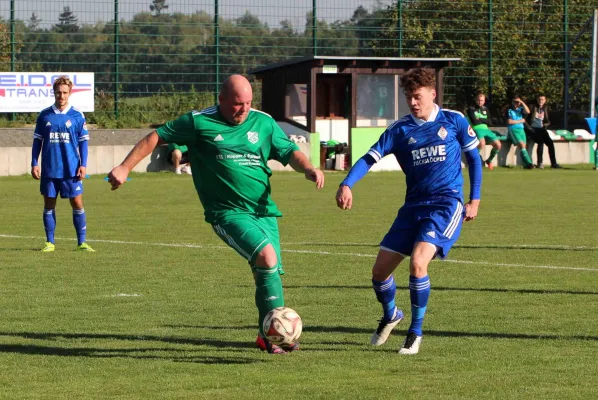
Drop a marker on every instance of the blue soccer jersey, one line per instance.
(429, 152)
(515, 115)
(60, 133)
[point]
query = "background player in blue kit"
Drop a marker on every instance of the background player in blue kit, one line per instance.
(62, 138)
(428, 145)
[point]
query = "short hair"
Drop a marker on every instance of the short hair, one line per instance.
(62, 80)
(417, 78)
(480, 94)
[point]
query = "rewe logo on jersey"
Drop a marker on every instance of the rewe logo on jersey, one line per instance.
(253, 137)
(442, 133)
(430, 154)
(60, 137)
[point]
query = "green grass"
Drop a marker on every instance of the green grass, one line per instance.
(511, 316)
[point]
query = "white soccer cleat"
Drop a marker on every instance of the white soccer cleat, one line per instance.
(385, 328)
(411, 344)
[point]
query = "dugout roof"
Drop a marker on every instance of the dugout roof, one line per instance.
(330, 84)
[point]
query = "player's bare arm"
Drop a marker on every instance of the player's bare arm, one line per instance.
(300, 163)
(344, 197)
(142, 149)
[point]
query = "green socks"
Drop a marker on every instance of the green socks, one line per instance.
(526, 158)
(268, 292)
(493, 154)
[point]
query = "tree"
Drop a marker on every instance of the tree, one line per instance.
(34, 22)
(157, 6)
(4, 45)
(67, 21)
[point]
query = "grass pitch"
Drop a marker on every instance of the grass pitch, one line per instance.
(164, 310)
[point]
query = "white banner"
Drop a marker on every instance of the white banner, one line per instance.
(32, 91)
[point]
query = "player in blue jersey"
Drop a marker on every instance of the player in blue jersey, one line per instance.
(62, 139)
(428, 145)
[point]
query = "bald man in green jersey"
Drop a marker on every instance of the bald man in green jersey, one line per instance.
(229, 147)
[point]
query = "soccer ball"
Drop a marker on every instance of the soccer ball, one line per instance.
(283, 326)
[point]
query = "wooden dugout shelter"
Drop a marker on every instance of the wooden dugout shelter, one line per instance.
(347, 99)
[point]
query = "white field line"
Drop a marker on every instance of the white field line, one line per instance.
(319, 252)
(467, 246)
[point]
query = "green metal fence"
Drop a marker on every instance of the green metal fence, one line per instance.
(154, 59)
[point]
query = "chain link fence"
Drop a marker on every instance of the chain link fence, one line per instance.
(154, 59)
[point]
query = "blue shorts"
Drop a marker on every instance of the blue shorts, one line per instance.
(67, 187)
(437, 221)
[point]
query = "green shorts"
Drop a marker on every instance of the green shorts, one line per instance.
(517, 135)
(173, 146)
(248, 234)
(482, 132)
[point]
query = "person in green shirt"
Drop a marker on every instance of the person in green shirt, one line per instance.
(479, 116)
(229, 147)
(516, 114)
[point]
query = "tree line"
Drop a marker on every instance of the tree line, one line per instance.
(161, 52)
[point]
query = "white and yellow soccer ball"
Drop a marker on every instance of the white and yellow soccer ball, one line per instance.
(283, 326)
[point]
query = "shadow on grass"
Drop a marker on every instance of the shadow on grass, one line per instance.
(120, 353)
(135, 353)
(368, 331)
(456, 289)
(36, 249)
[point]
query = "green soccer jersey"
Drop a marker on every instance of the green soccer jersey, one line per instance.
(230, 162)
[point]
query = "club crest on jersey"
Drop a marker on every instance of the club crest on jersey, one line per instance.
(470, 131)
(253, 137)
(68, 123)
(442, 133)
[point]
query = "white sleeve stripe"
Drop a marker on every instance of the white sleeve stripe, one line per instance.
(375, 155)
(471, 145)
(36, 136)
(83, 138)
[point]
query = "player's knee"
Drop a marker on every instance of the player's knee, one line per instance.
(266, 258)
(77, 202)
(381, 272)
(418, 266)
(176, 155)
(497, 144)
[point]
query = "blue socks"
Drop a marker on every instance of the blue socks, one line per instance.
(419, 290)
(80, 225)
(385, 293)
(49, 217)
